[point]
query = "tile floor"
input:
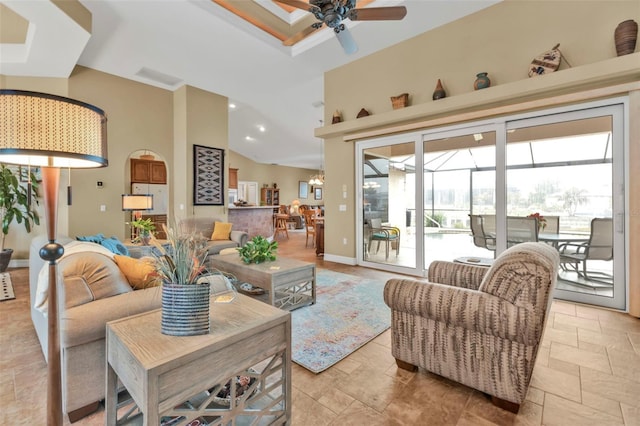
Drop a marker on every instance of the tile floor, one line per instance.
(587, 373)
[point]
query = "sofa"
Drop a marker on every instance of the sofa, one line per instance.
(94, 290)
(479, 326)
(205, 227)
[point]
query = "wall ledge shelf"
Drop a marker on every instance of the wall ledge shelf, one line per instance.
(603, 79)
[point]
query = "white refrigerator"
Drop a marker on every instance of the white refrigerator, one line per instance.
(160, 196)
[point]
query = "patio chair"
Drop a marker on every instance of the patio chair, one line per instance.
(574, 257)
(389, 234)
(553, 225)
(480, 238)
(521, 230)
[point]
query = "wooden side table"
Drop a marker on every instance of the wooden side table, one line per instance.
(169, 376)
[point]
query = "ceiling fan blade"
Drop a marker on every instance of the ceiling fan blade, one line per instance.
(346, 40)
(298, 4)
(301, 35)
(392, 13)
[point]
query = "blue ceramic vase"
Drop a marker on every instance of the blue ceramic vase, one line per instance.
(482, 81)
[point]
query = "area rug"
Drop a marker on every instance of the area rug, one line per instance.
(6, 288)
(349, 312)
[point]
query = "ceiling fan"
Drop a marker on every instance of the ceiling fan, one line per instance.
(332, 12)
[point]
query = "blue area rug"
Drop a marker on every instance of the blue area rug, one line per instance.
(349, 312)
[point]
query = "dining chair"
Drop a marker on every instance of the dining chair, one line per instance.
(574, 257)
(389, 234)
(310, 227)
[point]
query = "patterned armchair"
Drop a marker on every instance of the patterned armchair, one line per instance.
(475, 325)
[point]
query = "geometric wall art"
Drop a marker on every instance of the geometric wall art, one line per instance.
(208, 176)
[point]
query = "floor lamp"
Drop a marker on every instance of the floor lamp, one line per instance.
(49, 131)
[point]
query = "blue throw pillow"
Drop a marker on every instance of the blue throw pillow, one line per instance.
(98, 238)
(115, 246)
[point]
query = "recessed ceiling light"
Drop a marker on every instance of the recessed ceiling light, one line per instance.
(261, 128)
(249, 138)
(232, 106)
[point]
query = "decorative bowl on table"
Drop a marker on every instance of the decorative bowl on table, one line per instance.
(243, 384)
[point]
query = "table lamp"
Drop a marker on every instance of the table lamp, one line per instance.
(136, 203)
(49, 131)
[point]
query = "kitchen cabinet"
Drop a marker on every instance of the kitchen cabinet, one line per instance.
(269, 197)
(148, 171)
(233, 178)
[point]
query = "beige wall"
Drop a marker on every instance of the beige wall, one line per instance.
(138, 117)
(207, 125)
(287, 178)
(501, 40)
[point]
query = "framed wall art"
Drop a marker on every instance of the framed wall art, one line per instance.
(208, 176)
(303, 189)
(317, 193)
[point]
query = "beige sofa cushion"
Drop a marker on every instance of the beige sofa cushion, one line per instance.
(90, 276)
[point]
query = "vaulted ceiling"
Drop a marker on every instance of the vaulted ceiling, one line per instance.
(255, 52)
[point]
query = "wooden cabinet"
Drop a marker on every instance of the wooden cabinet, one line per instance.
(233, 178)
(319, 238)
(269, 197)
(158, 220)
(148, 171)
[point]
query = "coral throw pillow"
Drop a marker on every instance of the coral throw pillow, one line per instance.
(139, 272)
(221, 231)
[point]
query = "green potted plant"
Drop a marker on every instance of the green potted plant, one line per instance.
(16, 204)
(258, 250)
(145, 229)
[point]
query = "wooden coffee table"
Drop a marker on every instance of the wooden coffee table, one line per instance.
(289, 283)
(171, 376)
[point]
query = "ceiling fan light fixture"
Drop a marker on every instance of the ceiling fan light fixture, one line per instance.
(332, 12)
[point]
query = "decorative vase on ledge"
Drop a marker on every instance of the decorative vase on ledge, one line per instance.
(482, 81)
(439, 92)
(626, 35)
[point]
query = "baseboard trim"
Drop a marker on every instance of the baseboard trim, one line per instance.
(19, 263)
(340, 259)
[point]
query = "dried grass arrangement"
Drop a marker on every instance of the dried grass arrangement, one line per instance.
(400, 101)
(182, 262)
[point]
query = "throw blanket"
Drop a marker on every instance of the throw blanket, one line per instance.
(73, 247)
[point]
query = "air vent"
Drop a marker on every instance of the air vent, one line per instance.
(157, 76)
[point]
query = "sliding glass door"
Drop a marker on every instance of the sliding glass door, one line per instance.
(555, 177)
(460, 187)
(568, 171)
(387, 181)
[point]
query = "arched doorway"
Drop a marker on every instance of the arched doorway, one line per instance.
(147, 174)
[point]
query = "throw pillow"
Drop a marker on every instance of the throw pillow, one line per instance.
(115, 245)
(91, 238)
(221, 231)
(139, 272)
